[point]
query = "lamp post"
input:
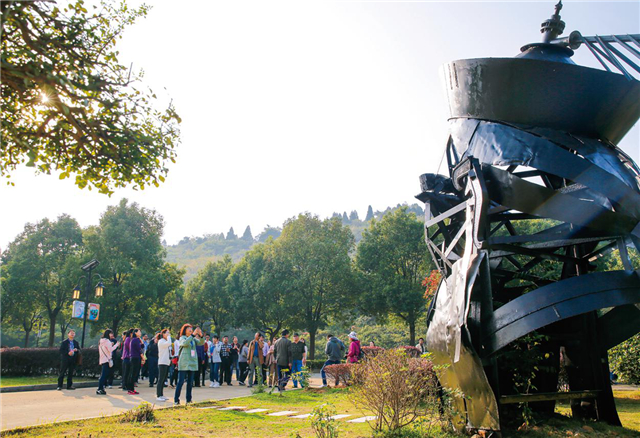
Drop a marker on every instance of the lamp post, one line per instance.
(88, 267)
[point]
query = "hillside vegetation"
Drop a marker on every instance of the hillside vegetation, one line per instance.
(193, 253)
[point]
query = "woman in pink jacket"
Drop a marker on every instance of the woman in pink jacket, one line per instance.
(354, 348)
(105, 349)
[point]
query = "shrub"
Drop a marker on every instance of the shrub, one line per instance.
(341, 373)
(143, 413)
(411, 350)
(322, 423)
(625, 360)
(315, 364)
(397, 389)
(371, 351)
(40, 361)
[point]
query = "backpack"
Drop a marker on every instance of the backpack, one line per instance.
(360, 353)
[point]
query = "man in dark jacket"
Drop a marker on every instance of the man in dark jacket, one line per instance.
(69, 351)
(335, 352)
(282, 351)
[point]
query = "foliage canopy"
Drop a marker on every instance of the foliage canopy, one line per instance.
(68, 105)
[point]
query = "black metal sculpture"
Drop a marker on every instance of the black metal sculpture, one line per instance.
(534, 137)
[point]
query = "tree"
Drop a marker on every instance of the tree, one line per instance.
(247, 236)
(47, 256)
(208, 294)
(20, 284)
(345, 218)
(68, 105)
(269, 231)
(369, 214)
(127, 245)
(231, 235)
(314, 263)
(262, 297)
(353, 216)
(392, 258)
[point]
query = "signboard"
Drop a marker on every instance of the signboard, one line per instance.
(78, 311)
(94, 312)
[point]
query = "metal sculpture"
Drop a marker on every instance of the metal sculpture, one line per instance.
(534, 137)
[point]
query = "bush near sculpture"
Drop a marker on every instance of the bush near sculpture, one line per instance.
(41, 361)
(399, 390)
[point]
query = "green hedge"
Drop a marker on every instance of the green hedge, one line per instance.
(41, 361)
(315, 364)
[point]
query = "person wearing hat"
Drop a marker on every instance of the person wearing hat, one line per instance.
(298, 356)
(282, 353)
(354, 348)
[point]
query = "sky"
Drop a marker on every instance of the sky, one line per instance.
(294, 106)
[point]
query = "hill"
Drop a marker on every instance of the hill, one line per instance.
(193, 253)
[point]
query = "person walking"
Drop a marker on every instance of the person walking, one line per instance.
(298, 356)
(421, 346)
(235, 352)
(126, 359)
(282, 353)
(187, 360)
(243, 362)
(354, 348)
(335, 352)
(202, 363)
(214, 357)
(135, 356)
(255, 360)
(152, 360)
(163, 339)
(105, 360)
(225, 366)
(69, 353)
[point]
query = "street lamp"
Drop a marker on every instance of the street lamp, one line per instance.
(99, 289)
(88, 267)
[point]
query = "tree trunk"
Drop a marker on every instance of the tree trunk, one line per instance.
(115, 324)
(52, 327)
(412, 332)
(26, 338)
(312, 343)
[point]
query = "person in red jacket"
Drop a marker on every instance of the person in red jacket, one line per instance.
(354, 348)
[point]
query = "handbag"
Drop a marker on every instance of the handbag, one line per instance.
(79, 358)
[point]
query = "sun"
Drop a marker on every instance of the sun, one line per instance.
(44, 98)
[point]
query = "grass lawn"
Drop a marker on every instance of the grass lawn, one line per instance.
(6, 381)
(193, 422)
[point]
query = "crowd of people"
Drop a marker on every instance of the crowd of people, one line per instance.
(185, 360)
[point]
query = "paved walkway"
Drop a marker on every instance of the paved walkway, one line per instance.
(21, 409)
